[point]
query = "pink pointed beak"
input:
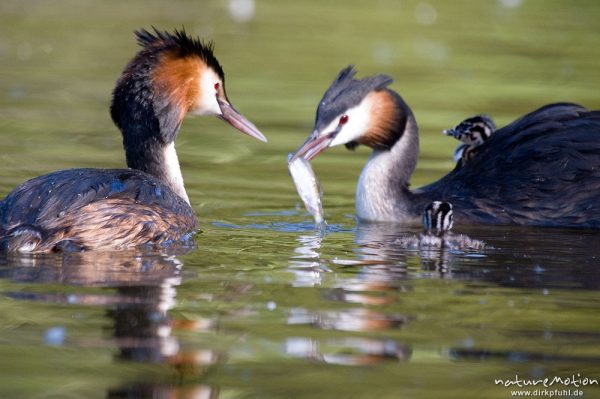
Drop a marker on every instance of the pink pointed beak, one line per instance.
(239, 121)
(314, 145)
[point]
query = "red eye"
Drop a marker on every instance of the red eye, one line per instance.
(343, 119)
(217, 86)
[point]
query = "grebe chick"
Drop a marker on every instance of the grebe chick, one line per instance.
(473, 132)
(438, 219)
(541, 170)
(81, 209)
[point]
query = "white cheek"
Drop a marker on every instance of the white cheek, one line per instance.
(358, 121)
(207, 102)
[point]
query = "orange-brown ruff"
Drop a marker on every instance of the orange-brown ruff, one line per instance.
(87, 209)
(383, 104)
(178, 79)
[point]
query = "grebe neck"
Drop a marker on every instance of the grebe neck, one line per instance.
(149, 122)
(159, 160)
(382, 193)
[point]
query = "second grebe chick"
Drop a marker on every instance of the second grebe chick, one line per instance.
(438, 220)
(540, 170)
(473, 132)
(82, 209)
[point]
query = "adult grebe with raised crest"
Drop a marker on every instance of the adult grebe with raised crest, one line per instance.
(541, 170)
(82, 209)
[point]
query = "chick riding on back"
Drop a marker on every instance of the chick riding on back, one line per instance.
(473, 132)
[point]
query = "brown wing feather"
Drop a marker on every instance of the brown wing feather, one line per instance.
(117, 223)
(92, 209)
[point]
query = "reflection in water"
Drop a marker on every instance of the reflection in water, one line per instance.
(380, 242)
(347, 320)
(306, 263)
(515, 256)
(378, 305)
(140, 327)
(347, 351)
(381, 272)
(100, 269)
(158, 391)
(366, 289)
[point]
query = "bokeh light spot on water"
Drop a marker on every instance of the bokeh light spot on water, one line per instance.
(242, 10)
(55, 336)
(511, 3)
(425, 14)
(432, 50)
(383, 53)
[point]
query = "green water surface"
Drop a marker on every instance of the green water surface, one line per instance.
(265, 307)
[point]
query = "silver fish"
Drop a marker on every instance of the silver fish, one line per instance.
(308, 187)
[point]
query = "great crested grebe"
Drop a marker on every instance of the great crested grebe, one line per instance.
(81, 209)
(473, 132)
(541, 170)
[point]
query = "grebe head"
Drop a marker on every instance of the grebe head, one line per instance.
(172, 75)
(356, 111)
(438, 218)
(473, 131)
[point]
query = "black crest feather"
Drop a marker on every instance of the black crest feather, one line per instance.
(346, 92)
(136, 108)
(181, 42)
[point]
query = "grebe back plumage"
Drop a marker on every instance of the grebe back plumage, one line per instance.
(81, 209)
(541, 170)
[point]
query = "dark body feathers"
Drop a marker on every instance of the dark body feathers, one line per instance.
(93, 208)
(541, 170)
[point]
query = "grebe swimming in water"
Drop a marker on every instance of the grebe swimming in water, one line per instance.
(473, 132)
(438, 219)
(541, 170)
(82, 209)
